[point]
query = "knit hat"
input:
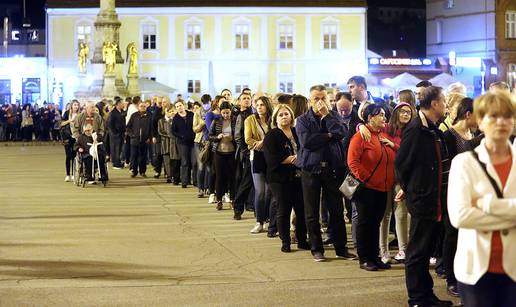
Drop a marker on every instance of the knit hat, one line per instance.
(402, 104)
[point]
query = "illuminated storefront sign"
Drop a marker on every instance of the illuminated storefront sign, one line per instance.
(399, 62)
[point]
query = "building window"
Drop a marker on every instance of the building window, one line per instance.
(32, 35)
(286, 84)
(242, 36)
(240, 82)
(510, 24)
(194, 86)
(83, 34)
(149, 36)
(286, 36)
(330, 85)
(193, 36)
(450, 4)
(329, 36)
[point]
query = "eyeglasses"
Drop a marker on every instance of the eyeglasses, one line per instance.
(405, 112)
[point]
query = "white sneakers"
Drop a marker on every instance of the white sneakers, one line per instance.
(211, 199)
(257, 228)
(386, 258)
(433, 261)
(68, 179)
(400, 256)
(225, 198)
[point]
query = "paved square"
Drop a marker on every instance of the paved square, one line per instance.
(142, 242)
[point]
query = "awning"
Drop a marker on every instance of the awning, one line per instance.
(150, 87)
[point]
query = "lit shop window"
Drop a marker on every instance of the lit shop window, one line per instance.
(329, 36)
(241, 36)
(149, 36)
(194, 86)
(193, 36)
(510, 24)
(286, 36)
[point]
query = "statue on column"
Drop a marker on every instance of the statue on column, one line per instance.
(132, 57)
(83, 54)
(109, 50)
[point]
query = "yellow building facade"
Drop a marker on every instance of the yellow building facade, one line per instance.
(200, 50)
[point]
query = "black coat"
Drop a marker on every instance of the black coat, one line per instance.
(352, 128)
(139, 128)
(276, 148)
(182, 129)
(417, 167)
(116, 123)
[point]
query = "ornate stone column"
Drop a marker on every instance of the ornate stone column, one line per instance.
(107, 28)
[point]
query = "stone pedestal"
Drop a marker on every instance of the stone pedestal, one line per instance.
(109, 87)
(133, 88)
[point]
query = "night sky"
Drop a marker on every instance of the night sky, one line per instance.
(406, 34)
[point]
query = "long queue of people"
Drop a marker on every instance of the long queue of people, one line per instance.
(284, 158)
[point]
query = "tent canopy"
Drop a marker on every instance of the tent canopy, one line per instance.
(442, 80)
(149, 87)
(402, 80)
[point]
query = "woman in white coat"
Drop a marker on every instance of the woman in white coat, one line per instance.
(485, 262)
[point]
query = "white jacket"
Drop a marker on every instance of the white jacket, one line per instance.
(468, 182)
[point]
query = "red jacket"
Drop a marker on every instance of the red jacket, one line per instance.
(363, 157)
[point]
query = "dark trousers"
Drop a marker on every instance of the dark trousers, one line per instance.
(449, 248)
(225, 174)
(167, 165)
(175, 169)
(325, 215)
(115, 148)
(187, 157)
(126, 150)
(245, 186)
(312, 184)
(370, 205)
(27, 133)
(491, 290)
(90, 165)
(157, 158)
(288, 195)
(139, 158)
(202, 174)
(423, 236)
(69, 155)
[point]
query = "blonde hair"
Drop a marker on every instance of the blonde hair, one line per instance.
(453, 100)
(498, 102)
(274, 123)
(457, 87)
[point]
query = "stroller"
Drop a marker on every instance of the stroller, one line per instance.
(80, 169)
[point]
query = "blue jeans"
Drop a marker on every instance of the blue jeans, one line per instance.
(262, 196)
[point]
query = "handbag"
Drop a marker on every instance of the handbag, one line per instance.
(205, 153)
(352, 184)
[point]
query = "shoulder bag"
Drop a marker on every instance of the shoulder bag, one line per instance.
(352, 184)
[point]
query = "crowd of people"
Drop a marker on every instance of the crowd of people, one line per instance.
(434, 166)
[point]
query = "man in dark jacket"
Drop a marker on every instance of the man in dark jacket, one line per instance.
(321, 157)
(116, 130)
(244, 180)
(362, 97)
(139, 129)
(421, 162)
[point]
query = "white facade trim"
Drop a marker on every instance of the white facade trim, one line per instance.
(145, 11)
(218, 35)
(308, 36)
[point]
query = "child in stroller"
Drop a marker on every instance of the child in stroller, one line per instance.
(92, 155)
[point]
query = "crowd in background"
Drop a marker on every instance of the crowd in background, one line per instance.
(283, 159)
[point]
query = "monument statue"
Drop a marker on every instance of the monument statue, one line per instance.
(109, 50)
(132, 57)
(83, 54)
